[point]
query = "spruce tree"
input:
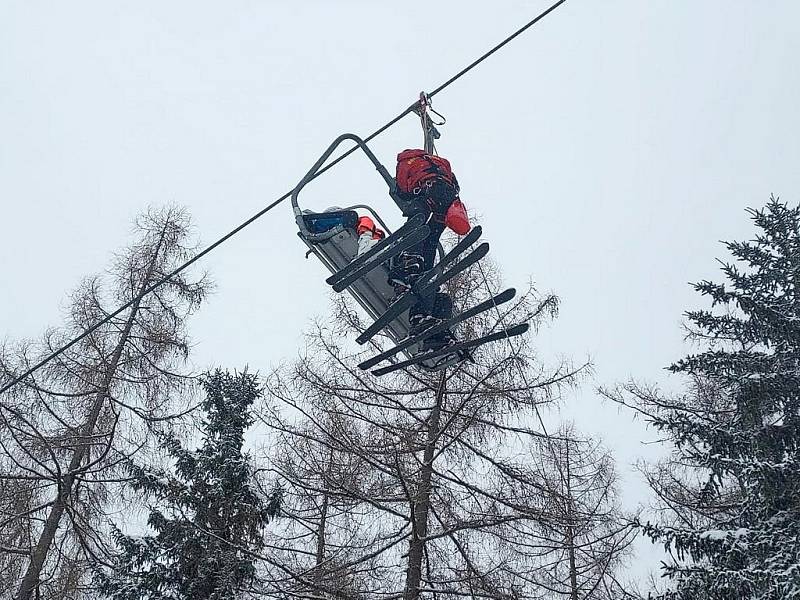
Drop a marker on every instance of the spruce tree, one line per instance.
(737, 430)
(208, 517)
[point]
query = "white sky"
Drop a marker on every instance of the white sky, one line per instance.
(608, 150)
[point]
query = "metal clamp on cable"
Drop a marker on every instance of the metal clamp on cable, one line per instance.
(422, 109)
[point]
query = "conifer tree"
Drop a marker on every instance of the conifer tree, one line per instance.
(735, 526)
(65, 429)
(208, 517)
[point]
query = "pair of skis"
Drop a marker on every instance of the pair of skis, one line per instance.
(496, 300)
(409, 235)
(430, 281)
(509, 332)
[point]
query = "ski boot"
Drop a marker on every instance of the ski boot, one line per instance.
(405, 269)
(419, 322)
(438, 341)
(441, 341)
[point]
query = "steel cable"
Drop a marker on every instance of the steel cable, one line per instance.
(275, 203)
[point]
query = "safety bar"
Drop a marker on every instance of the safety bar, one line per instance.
(298, 213)
(377, 217)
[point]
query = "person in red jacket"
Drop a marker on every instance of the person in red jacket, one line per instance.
(368, 234)
(427, 185)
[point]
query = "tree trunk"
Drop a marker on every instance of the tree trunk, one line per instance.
(30, 581)
(321, 541)
(573, 574)
(421, 504)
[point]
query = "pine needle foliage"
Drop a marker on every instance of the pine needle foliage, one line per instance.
(208, 517)
(740, 427)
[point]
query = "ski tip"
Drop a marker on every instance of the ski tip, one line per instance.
(336, 277)
(517, 329)
(506, 295)
(372, 361)
(481, 250)
(367, 335)
(367, 364)
(383, 371)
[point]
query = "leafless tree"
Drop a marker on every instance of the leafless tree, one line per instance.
(431, 484)
(596, 533)
(64, 429)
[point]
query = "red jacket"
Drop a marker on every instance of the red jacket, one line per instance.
(366, 224)
(415, 167)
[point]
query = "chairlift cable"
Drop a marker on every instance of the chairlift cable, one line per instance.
(275, 203)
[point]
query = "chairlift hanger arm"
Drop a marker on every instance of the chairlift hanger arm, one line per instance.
(390, 182)
(422, 109)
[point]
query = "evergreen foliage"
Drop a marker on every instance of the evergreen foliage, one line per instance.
(740, 426)
(207, 517)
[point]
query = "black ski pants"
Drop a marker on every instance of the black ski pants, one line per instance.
(439, 305)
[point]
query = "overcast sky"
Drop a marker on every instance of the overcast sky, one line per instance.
(607, 150)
